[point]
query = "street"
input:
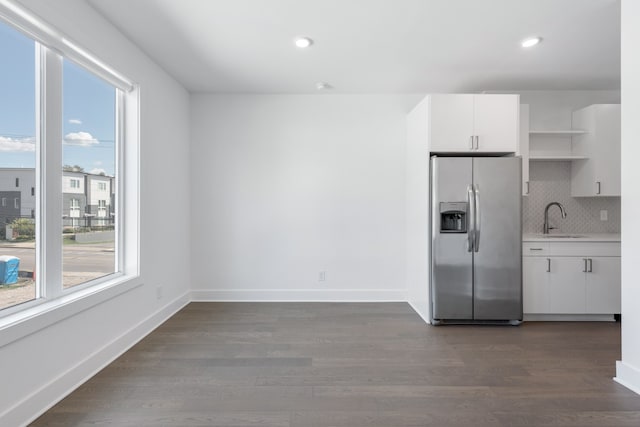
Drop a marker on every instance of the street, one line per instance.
(78, 258)
(81, 263)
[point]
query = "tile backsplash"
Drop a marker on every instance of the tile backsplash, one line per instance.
(551, 182)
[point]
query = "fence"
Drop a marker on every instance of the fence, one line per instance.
(88, 223)
(24, 226)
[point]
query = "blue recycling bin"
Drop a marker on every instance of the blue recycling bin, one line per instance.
(9, 266)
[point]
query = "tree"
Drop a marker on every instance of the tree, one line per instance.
(74, 168)
(25, 227)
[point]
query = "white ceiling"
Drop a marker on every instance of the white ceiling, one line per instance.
(376, 46)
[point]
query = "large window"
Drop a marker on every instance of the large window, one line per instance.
(17, 160)
(89, 127)
(62, 127)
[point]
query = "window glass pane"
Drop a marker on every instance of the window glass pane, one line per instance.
(88, 177)
(17, 168)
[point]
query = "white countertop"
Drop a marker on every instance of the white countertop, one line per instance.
(583, 237)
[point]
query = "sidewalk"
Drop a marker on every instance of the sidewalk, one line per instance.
(21, 245)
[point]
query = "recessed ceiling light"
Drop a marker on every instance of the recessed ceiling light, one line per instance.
(531, 41)
(303, 42)
(323, 86)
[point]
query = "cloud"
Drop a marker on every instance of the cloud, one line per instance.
(17, 145)
(98, 171)
(75, 121)
(83, 139)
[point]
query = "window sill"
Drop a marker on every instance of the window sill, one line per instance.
(47, 313)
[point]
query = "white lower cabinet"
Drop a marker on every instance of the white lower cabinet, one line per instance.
(582, 284)
(603, 285)
(535, 284)
(566, 286)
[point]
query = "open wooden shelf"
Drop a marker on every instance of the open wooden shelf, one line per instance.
(535, 158)
(558, 132)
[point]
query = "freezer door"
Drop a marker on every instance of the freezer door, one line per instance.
(498, 252)
(451, 259)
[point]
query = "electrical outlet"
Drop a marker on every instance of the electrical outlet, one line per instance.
(604, 215)
(159, 292)
(322, 276)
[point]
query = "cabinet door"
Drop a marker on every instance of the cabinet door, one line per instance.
(535, 285)
(496, 119)
(603, 286)
(607, 149)
(567, 285)
(599, 174)
(450, 123)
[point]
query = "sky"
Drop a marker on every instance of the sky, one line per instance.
(88, 110)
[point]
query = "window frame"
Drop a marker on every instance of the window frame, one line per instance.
(51, 47)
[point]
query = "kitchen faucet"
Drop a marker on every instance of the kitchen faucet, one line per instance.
(546, 215)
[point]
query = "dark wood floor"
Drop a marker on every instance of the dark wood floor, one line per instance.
(339, 364)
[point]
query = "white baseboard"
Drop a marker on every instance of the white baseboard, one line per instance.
(301, 295)
(34, 405)
(628, 376)
(568, 318)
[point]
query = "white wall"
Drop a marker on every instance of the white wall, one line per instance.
(38, 369)
(287, 186)
(552, 109)
(628, 369)
(417, 210)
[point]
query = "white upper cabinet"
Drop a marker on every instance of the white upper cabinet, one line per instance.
(451, 123)
(496, 121)
(599, 173)
(471, 123)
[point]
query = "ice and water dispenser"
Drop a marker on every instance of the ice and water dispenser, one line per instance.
(453, 217)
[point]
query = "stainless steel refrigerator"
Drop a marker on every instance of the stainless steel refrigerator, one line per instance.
(476, 240)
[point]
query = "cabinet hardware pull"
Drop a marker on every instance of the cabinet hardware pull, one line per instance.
(584, 269)
(472, 218)
(471, 142)
(535, 249)
(590, 265)
(597, 187)
(478, 222)
(548, 265)
(527, 188)
(477, 142)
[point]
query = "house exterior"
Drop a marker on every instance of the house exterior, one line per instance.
(87, 199)
(9, 206)
(100, 194)
(21, 182)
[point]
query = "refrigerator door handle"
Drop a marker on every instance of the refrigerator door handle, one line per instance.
(476, 225)
(472, 215)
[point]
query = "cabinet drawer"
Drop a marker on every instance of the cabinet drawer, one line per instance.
(584, 249)
(535, 248)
